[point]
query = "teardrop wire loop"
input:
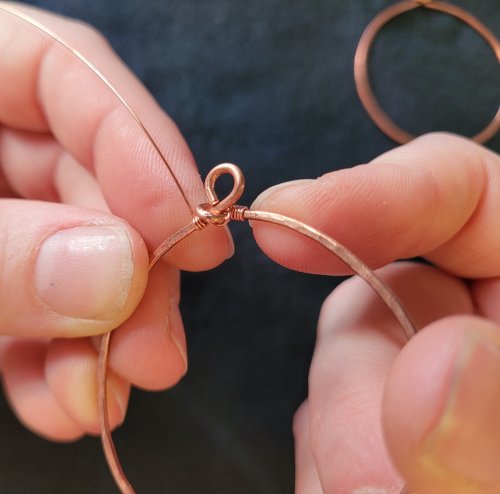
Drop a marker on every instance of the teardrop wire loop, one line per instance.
(52, 34)
(241, 213)
(362, 79)
(216, 213)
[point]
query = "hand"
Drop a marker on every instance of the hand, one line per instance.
(435, 399)
(70, 154)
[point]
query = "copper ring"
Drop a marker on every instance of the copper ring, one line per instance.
(365, 92)
(239, 213)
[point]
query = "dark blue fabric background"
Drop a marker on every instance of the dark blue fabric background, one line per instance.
(266, 84)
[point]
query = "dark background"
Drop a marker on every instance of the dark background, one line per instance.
(266, 84)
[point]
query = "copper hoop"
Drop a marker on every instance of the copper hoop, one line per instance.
(211, 212)
(363, 86)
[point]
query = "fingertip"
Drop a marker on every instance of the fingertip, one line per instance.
(149, 349)
(415, 388)
(69, 271)
(314, 202)
(364, 208)
(203, 250)
(439, 407)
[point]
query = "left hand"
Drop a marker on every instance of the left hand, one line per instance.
(82, 193)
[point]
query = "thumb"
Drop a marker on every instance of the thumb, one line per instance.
(67, 271)
(441, 407)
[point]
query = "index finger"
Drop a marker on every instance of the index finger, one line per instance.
(46, 88)
(438, 197)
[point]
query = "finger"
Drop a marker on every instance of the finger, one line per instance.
(437, 196)
(358, 339)
(67, 271)
(77, 186)
(37, 167)
(50, 90)
(306, 474)
(71, 370)
(441, 418)
(28, 161)
(149, 349)
(29, 395)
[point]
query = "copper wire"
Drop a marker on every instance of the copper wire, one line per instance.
(106, 438)
(361, 76)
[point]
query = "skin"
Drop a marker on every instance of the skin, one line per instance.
(372, 404)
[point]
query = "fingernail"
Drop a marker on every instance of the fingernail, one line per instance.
(268, 193)
(464, 445)
(85, 272)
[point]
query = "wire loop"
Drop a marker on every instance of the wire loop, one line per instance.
(220, 206)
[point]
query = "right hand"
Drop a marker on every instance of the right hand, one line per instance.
(436, 396)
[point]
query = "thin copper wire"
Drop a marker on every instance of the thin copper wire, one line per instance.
(361, 76)
(32, 21)
(108, 445)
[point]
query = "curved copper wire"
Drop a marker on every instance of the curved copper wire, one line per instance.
(361, 76)
(235, 212)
